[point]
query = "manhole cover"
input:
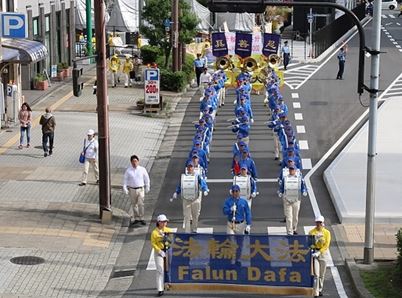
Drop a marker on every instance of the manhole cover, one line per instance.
(27, 260)
(319, 103)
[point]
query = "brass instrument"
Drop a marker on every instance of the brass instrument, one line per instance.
(249, 64)
(274, 60)
(222, 63)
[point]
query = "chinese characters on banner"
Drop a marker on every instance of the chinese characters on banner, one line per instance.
(270, 44)
(219, 44)
(243, 45)
(257, 260)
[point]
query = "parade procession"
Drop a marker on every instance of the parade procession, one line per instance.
(243, 76)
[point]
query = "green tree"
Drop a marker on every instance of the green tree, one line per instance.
(155, 12)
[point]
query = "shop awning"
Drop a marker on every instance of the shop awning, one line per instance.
(29, 51)
(9, 55)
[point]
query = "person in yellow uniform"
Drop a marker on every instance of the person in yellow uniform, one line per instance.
(322, 240)
(127, 68)
(114, 67)
(159, 242)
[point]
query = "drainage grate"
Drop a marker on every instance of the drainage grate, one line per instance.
(122, 273)
(27, 260)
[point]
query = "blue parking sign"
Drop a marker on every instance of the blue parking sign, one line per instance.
(13, 25)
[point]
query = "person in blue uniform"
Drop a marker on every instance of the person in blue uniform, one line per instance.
(237, 212)
(199, 65)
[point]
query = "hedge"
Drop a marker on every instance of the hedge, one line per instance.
(149, 54)
(173, 81)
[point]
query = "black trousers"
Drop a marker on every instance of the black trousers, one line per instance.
(47, 137)
(286, 59)
(341, 69)
(198, 72)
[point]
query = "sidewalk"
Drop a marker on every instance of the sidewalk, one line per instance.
(47, 215)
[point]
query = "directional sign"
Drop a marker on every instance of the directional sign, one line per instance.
(13, 25)
(151, 85)
(310, 18)
(167, 23)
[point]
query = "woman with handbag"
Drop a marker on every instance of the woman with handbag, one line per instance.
(89, 156)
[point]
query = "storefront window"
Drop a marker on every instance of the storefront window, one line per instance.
(35, 24)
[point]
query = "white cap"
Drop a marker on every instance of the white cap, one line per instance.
(319, 218)
(162, 217)
(90, 132)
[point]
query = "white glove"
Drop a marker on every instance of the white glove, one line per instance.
(252, 120)
(205, 193)
(233, 208)
(266, 100)
(316, 254)
(234, 102)
(248, 229)
(253, 195)
(280, 194)
(125, 190)
(305, 194)
(174, 196)
(147, 189)
(162, 253)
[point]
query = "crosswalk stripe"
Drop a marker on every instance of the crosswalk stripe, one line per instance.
(306, 163)
(300, 129)
(303, 144)
(383, 16)
(298, 116)
(296, 105)
(295, 95)
(276, 230)
(391, 16)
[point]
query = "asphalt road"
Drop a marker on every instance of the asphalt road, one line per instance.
(329, 108)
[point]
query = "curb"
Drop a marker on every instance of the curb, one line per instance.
(357, 282)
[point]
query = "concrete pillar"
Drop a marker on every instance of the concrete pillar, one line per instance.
(53, 34)
(63, 35)
(71, 33)
(42, 33)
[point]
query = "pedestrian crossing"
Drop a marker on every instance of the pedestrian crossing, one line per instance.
(389, 16)
(394, 89)
(271, 230)
(296, 77)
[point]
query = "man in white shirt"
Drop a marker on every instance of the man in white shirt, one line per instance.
(90, 152)
(136, 183)
(205, 78)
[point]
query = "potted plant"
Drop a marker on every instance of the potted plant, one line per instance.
(67, 69)
(40, 82)
(60, 72)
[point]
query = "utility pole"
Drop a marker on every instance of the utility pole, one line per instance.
(89, 25)
(103, 114)
(372, 135)
(175, 36)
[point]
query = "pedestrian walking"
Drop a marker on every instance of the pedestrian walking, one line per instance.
(285, 55)
(160, 243)
(48, 123)
(237, 212)
(114, 68)
(25, 118)
(341, 62)
(291, 188)
(205, 79)
(127, 68)
(199, 65)
(322, 240)
(136, 183)
(192, 186)
(90, 151)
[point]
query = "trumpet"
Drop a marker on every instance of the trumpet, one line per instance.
(222, 63)
(274, 60)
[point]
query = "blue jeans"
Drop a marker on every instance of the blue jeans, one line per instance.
(47, 137)
(26, 130)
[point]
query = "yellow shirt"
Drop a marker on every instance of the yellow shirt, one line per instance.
(322, 239)
(157, 238)
(128, 66)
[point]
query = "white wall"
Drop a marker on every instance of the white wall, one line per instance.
(21, 5)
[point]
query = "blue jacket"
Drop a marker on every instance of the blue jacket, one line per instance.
(243, 128)
(250, 164)
(242, 210)
(202, 155)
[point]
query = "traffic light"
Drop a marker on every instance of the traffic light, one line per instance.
(77, 85)
(251, 6)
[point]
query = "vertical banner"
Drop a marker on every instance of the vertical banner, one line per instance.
(244, 43)
(219, 44)
(271, 44)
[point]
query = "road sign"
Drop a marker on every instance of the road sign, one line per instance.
(167, 23)
(151, 86)
(13, 25)
(310, 18)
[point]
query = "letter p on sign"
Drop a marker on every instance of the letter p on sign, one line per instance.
(13, 25)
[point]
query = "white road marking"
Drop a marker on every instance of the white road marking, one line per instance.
(268, 180)
(303, 144)
(383, 16)
(295, 95)
(209, 230)
(398, 24)
(298, 116)
(400, 50)
(276, 230)
(391, 39)
(395, 42)
(151, 262)
(391, 16)
(300, 129)
(306, 163)
(296, 105)
(398, 46)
